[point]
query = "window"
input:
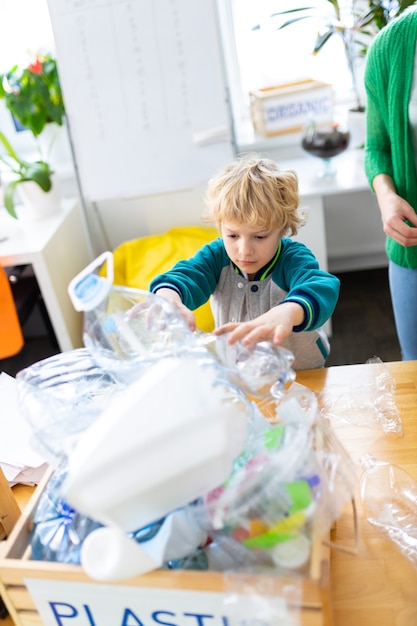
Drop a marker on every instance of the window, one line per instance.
(265, 56)
(28, 30)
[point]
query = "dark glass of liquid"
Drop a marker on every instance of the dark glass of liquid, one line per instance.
(325, 143)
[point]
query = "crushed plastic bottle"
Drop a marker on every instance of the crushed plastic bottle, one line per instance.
(60, 397)
(260, 370)
(389, 498)
(58, 529)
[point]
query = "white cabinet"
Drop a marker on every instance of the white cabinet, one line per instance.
(57, 249)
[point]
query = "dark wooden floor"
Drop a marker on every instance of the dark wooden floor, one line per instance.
(363, 326)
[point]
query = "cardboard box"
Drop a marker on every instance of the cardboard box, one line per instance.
(286, 108)
(67, 596)
(9, 509)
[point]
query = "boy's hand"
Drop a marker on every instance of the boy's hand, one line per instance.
(173, 297)
(274, 325)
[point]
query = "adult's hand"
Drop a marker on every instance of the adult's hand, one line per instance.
(398, 216)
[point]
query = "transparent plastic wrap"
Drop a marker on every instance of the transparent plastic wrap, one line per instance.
(367, 401)
(389, 498)
(263, 601)
(60, 397)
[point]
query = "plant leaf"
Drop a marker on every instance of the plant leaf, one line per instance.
(39, 176)
(292, 11)
(8, 147)
(9, 198)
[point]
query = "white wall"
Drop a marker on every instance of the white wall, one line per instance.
(355, 239)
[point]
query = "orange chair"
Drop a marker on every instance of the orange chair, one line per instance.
(11, 336)
(21, 283)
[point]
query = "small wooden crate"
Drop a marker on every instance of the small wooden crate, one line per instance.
(286, 108)
(18, 571)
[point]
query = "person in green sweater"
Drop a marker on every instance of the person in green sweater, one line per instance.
(390, 162)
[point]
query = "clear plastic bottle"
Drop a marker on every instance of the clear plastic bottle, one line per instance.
(389, 498)
(125, 328)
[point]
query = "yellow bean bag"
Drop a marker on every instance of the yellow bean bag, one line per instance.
(138, 261)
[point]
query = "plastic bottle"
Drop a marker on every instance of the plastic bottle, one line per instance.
(124, 328)
(58, 530)
(389, 498)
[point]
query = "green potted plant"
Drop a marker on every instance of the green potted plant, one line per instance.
(34, 98)
(356, 25)
(38, 172)
(33, 94)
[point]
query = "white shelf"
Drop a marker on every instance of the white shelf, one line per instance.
(57, 249)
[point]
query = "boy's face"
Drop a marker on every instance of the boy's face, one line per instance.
(249, 248)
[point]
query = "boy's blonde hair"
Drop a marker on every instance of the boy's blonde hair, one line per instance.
(255, 191)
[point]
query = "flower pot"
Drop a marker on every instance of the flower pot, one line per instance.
(41, 203)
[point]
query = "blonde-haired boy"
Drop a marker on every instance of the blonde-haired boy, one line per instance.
(263, 285)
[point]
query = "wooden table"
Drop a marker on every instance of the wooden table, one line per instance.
(378, 585)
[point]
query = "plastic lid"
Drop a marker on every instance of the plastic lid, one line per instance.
(87, 289)
(293, 554)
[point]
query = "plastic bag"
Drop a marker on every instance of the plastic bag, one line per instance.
(367, 401)
(285, 489)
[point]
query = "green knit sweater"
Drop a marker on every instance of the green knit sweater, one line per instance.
(389, 149)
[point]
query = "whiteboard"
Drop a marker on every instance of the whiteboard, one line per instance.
(144, 90)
